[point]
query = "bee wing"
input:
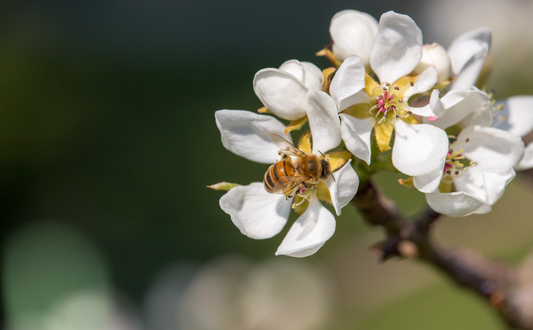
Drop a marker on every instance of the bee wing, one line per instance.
(286, 184)
(285, 145)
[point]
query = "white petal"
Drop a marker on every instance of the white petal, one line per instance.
(491, 148)
(418, 149)
(482, 116)
(397, 48)
(457, 204)
(312, 229)
(470, 105)
(527, 160)
(428, 182)
(472, 182)
(257, 213)
(347, 82)
(246, 134)
(323, 120)
(356, 135)
(495, 184)
(308, 73)
(516, 116)
(484, 185)
(344, 187)
(426, 80)
(467, 54)
(434, 108)
(281, 92)
(353, 33)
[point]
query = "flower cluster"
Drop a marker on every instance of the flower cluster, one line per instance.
(388, 103)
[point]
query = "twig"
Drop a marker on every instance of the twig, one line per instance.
(489, 280)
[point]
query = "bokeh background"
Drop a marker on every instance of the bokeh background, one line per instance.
(108, 139)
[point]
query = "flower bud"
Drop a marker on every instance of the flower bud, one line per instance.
(353, 33)
(435, 55)
(308, 73)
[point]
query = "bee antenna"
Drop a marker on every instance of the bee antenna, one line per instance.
(322, 154)
(333, 178)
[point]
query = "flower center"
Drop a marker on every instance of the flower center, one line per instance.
(389, 102)
(304, 191)
(455, 166)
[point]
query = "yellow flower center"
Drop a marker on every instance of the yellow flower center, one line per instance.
(389, 103)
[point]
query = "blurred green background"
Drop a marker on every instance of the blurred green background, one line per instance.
(108, 139)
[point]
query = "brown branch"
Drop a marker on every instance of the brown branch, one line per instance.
(493, 282)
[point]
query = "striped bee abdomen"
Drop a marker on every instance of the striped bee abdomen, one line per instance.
(274, 173)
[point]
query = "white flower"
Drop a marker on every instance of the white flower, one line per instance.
(473, 107)
(259, 214)
(467, 54)
(515, 115)
(284, 91)
(481, 184)
(419, 149)
(464, 107)
(353, 33)
(435, 55)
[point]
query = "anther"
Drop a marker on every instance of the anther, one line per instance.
(412, 84)
(467, 140)
(397, 88)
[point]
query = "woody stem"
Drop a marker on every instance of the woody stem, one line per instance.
(489, 280)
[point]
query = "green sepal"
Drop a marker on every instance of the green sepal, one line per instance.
(225, 186)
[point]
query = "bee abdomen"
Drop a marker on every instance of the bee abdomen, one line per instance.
(274, 173)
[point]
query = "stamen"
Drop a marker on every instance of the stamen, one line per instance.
(454, 166)
(405, 87)
(305, 199)
(374, 89)
(388, 102)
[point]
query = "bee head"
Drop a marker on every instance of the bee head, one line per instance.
(326, 169)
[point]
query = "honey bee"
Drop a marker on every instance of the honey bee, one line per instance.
(296, 168)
